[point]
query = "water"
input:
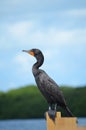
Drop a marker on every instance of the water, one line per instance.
(38, 124)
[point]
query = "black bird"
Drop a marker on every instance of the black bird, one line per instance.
(48, 86)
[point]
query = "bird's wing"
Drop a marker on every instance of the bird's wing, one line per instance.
(53, 89)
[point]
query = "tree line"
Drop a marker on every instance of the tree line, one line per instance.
(27, 102)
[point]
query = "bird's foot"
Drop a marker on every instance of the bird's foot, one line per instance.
(52, 114)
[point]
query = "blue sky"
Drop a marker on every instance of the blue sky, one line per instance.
(57, 27)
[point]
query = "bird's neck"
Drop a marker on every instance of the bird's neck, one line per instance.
(35, 68)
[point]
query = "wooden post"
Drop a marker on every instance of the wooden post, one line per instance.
(62, 123)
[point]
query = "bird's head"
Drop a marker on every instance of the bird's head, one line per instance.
(33, 52)
(36, 53)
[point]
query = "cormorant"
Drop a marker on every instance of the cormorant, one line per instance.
(48, 86)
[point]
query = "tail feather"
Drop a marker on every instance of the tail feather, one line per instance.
(69, 113)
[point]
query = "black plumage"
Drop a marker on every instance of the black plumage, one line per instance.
(47, 86)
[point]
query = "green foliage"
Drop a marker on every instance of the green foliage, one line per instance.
(27, 102)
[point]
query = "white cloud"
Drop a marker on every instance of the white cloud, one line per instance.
(76, 12)
(37, 5)
(20, 29)
(22, 63)
(27, 32)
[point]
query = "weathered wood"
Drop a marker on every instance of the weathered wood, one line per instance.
(62, 123)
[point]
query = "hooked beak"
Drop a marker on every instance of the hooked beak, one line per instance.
(30, 52)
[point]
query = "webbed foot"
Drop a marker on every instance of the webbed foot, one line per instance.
(52, 114)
